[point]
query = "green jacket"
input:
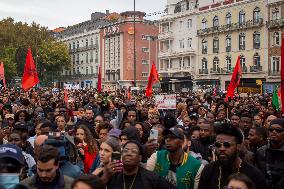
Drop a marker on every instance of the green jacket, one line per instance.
(185, 174)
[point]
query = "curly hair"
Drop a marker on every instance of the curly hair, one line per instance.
(91, 142)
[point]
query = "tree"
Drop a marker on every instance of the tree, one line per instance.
(16, 37)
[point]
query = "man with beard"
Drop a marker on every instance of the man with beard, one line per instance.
(202, 145)
(257, 138)
(227, 147)
(177, 166)
(276, 142)
(235, 120)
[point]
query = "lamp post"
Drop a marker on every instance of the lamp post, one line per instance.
(134, 45)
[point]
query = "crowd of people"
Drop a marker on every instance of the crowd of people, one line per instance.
(117, 141)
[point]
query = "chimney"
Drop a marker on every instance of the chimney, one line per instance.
(107, 12)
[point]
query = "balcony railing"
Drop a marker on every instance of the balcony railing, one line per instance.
(274, 73)
(231, 27)
(165, 35)
(203, 71)
(215, 71)
(275, 23)
(255, 69)
(244, 69)
(226, 70)
(80, 49)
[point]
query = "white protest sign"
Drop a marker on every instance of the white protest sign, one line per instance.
(166, 101)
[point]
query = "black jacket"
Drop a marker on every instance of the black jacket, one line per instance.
(147, 179)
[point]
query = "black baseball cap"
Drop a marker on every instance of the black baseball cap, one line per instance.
(177, 133)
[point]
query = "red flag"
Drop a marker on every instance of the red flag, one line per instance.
(282, 73)
(30, 76)
(66, 97)
(2, 74)
(99, 87)
(153, 78)
(129, 93)
(235, 80)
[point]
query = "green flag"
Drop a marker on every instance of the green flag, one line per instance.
(275, 100)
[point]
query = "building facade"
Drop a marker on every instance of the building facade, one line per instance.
(83, 41)
(117, 50)
(228, 29)
(178, 44)
(275, 25)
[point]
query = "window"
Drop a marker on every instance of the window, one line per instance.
(77, 61)
(87, 57)
(215, 45)
(256, 15)
(92, 56)
(204, 64)
(181, 43)
(181, 63)
(144, 74)
(228, 64)
(256, 61)
(74, 58)
(92, 42)
(92, 69)
(215, 21)
(77, 44)
(215, 64)
(204, 46)
(70, 46)
(228, 43)
(87, 42)
(243, 61)
(242, 41)
(276, 39)
(87, 70)
(145, 49)
(74, 71)
(78, 70)
(275, 14)
(256, 40)
(180, 24)
(144, 61)
(189, 23)
(228, 18)
(189, 42)
(73, 45)
(204, 23)
(275, 64)
(242, 17)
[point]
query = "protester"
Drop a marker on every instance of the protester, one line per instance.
(48, 174)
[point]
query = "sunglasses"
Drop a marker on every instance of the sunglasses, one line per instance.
(225, 144)
(276, 129)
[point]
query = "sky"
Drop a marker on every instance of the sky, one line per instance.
(57, 13)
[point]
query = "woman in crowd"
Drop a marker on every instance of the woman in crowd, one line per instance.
(239, 181)
(87, 146)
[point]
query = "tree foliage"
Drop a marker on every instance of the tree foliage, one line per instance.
(50, 55)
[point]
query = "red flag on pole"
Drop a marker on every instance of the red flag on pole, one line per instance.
(282, 73)
(2, 75)
(99, 87)
(153, 78)
(66, 97)
(235, 80)
(30, 76)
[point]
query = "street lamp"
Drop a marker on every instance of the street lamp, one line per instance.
(134, 36)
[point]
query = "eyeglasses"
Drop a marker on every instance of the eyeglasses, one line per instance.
(132, 151)
(225, 144)
(276, 129)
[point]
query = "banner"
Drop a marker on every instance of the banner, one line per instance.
(70, 86)
(166, 101)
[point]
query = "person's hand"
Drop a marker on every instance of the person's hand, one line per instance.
(150, 147)
(110, 169)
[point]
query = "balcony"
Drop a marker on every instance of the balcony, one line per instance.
(80, 49)
(226, 70)
(78, 76)
(275, 23)
(203, 71)
(274, 73)
(231, 27)
(165, 53)
(255, 69)
(165, 35)
(215, 71)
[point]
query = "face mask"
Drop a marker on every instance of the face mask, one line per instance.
(9, 180)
